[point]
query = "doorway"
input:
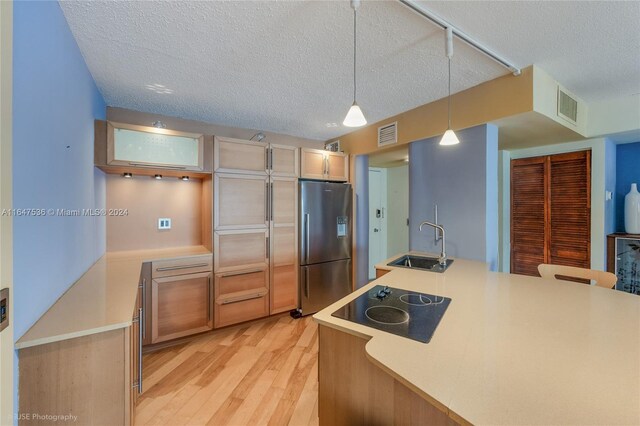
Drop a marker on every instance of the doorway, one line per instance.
(377, 218)
(388, 205)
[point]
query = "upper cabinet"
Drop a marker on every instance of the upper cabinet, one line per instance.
(131, 145)
(324, 165)
(239, 156)
(256, 158)
(121, 148)
(284, 160)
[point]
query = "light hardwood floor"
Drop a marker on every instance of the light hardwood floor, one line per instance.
(264, 373)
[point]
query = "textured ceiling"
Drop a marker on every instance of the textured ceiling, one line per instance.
(287, 66)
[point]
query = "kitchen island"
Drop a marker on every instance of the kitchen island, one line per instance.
(510, 349)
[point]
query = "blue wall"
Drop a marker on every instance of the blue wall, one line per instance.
(55, 101)
(463, 181)
(362, 220)
(627, 172)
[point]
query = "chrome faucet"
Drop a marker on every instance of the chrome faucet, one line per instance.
(442, 260)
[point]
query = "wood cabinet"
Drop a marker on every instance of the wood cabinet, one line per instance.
(125, 148)
(241, 295)
(284, 160)
(141, 146)
(145, 302)
(551, 211)
(239, 156)
(181, 306)
(324, 165)
(91, 377)
(255, 231)
(381, 272)
(255, 158)
(284, 245)
(181, 297)
(240, 201)
(352, 390)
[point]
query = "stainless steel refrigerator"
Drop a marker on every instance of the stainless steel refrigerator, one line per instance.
(325, 244)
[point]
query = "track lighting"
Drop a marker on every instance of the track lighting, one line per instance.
(449, 137)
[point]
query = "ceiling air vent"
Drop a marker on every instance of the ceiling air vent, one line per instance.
(567, 106)
(388, 135)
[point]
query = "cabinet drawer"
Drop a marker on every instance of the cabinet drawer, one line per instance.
(241, 281)
(241, 308)
(182, 266)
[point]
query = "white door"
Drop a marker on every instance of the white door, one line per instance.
(377, 220)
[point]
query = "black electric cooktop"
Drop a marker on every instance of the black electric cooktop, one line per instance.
(404, 313)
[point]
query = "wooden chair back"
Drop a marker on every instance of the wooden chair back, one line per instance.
(553, 272)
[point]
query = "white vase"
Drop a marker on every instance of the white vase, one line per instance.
(632, 211)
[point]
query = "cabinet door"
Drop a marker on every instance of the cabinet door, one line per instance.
(284, 245)
(312, 163)
(182, 305)
(131, 145)
(284, 160)
(240, 201)
(145, 302)
(240, 250)
(239, 156)
(338, 166)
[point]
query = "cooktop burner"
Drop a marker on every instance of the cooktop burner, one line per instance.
(401, 312)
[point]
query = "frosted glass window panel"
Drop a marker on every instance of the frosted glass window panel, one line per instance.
(628, 265)
(154, 148)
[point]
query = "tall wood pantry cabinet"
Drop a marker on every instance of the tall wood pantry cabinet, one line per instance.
(255, 230)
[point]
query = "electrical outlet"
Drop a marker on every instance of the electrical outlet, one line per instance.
(164, 223)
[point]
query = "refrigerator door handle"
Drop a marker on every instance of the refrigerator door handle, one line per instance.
(307, 228)
(306, 282)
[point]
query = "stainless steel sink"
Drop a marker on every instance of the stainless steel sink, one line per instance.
(422, 263)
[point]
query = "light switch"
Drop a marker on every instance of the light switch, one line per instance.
(164, 223)
(4, 308)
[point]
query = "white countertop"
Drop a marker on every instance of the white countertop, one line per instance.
(102, 299)
(513, 349)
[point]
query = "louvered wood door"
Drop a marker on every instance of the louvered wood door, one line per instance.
(570, 222)
(551, 212)
(529, 215)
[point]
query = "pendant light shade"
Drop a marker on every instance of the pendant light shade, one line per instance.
(449, 137)
(355, 117)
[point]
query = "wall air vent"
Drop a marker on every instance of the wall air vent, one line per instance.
(333, 146)
(567, 106)
(388, 134)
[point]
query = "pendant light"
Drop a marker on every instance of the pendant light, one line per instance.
(449, 137)
(355, 117)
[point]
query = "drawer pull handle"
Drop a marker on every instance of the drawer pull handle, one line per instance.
(233, 274)
(157, 166)
(175, 268)
(243, 298)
